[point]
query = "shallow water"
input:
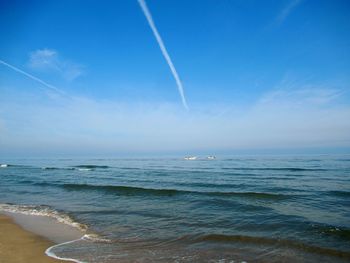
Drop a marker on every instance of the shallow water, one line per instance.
(254, 209)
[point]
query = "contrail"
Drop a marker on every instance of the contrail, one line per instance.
(32, 77)
(163, 49)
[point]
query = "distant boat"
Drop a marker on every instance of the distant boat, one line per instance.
(190, 158)
(211, 157)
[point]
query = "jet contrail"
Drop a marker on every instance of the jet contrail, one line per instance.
(32, 77)
(163, 49)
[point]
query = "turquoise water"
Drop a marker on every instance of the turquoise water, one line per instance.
(253, 209)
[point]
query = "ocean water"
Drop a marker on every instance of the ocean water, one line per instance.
(231, 209)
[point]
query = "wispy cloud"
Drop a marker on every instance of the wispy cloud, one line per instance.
(296, 92)
(307, 95)
(49, 60)
(150, 21)
(287, 10)
(44, 83)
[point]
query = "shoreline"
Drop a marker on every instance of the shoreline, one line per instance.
(32, 229)
(18, 245)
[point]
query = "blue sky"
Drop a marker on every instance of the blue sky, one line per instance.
(256, 75)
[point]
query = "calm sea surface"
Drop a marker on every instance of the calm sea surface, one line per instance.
(253, 209)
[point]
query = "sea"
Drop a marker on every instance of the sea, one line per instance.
(229, 209)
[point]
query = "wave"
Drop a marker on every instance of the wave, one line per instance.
(18, 166)
(78, 167)
(272, 241)
(51, 254)
(91, 166)
(290, 169)
(87, 237)
(339, 232)
(4, 165)
(96, 238)
(340, 193)
(219, 238)
(330, 230)
(122, 189)
(131, 190)
(85, 169)
(130, 168)
(42, 210)
(57, 168)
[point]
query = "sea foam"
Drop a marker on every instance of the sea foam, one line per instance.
(43, 211)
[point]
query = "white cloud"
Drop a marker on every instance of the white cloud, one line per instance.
(49, 60)
(87, 125)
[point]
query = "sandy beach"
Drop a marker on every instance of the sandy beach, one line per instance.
(18, 245)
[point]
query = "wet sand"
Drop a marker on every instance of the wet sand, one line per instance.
(20, 246)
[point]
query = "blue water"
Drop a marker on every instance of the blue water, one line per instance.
(254, 209)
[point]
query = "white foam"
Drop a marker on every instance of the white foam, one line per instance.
(53, 255)
(88, 237)
(60, 217)
(85, 169)
(96, 238)
(4, 165)
(42, 211)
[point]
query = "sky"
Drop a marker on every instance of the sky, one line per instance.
(91, 77)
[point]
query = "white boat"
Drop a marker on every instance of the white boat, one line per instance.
(190, 158)
(211, 157)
